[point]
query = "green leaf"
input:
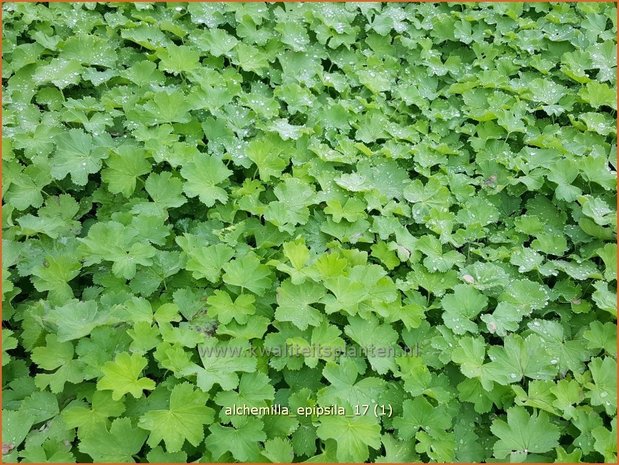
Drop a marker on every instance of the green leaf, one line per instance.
(602, 336)
(608, 253)
(378, 341)
(295, 303)
(122, 245)
(470, 355)
(225, 310)
(254, 391)
(397, 451)
(165, 190)
(344, 389)
(241, 441)
(205, 261)
(278, 450)
(420, 414)
(78, 154)
(158, 455)
(353, 435)
(124, 166)
(524, 434)
(248, 273)
(178, 59)
(604, 297)
(461, 307)
(89, 419)
(8, 343)
(182, 420)
(297, 253)
(145, 337)
(40, 406)
(598, 94)
(60, 72)
(54, 274)
(603, 389)
(270, 154)
(216, 41)
(291, 208)
(75, 319)
(122, 376)
(220, 363)
(25, 190)
(202, 175)
(57, 355)
(606, 441)
(325, 338)
(15, 426)
(120, 443)
(405, 206)
(545, 91)
(526, 295)
(597, 209)
(519, 358)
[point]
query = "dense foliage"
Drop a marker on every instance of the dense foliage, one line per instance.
(190, 188)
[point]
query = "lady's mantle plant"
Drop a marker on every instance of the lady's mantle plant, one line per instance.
(190, 188)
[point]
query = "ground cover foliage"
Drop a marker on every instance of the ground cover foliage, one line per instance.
(436, 180)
